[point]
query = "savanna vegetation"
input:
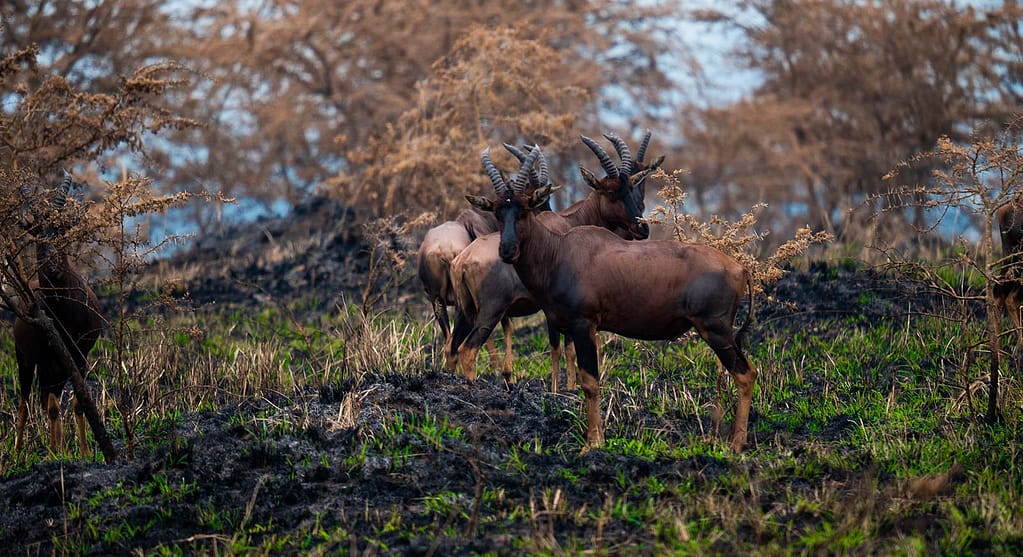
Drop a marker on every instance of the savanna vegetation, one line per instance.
(273, 384)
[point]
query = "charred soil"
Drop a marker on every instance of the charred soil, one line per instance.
(420, 464)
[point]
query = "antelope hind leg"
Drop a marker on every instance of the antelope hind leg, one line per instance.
(83, 443)
(19, 429)
(56, 428)
(570, 364)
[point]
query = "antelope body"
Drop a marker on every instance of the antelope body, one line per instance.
(587, 279)
(487, 290)
(66, 298)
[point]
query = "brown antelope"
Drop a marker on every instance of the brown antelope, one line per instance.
(488, 290)
(66, 298)
(586, 279)
(440, 246)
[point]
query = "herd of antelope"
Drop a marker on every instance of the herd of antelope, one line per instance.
(588, 268)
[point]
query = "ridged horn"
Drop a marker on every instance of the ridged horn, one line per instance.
(605, 160)
(63, 190)
(500, 186)
(535, 178)
(642, 147)
(521, 179)
(628, 166)
(544, 172)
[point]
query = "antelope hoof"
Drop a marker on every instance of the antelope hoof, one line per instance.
(589, 446)
(594, 440)
(739, 442)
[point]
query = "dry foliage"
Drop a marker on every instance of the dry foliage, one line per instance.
(392, 255)
(975, 179)
(284, 79)
(48, 124)
(739, 239)
(849, 89)
(495, 85)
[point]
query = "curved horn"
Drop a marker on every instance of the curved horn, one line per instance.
(516, 152)
(500, 186)
(605, 160)
(642, 147)
(628, 166)
(535, 177)
(63, 190)
(544, 173)
(521, 179)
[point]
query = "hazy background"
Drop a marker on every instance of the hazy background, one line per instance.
(385, 105)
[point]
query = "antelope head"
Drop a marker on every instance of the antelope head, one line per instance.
(621, 190)
(514, 200)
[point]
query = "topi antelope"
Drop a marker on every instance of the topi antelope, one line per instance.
(586, 279)
(487, 290)
(440, 246)
(66, 298)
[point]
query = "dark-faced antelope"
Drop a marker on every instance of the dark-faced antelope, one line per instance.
(587, 279)
(66, 298)
(487, 290)
(440, 246)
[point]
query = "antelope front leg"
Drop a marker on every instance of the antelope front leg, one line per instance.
(495, 357)
(589, 378)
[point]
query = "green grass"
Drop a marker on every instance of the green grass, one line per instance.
(848, 418)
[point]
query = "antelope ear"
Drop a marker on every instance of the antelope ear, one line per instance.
(540, 196)
(481, 203)
(638, 178)
(657, 163)
(588, 177)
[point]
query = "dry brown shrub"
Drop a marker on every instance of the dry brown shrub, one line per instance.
(495, 85)
(47, 125)
(973, 179)
(739, 239)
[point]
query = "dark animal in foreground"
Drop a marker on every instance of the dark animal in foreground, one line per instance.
(66, 298)
(439, 248)
(586, 279)
(487, 290)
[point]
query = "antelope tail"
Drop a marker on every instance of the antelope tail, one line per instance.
(751, 314)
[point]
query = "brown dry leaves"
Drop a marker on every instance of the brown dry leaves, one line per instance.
(739, 239)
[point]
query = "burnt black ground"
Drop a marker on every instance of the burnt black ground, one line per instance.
(318, 471)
